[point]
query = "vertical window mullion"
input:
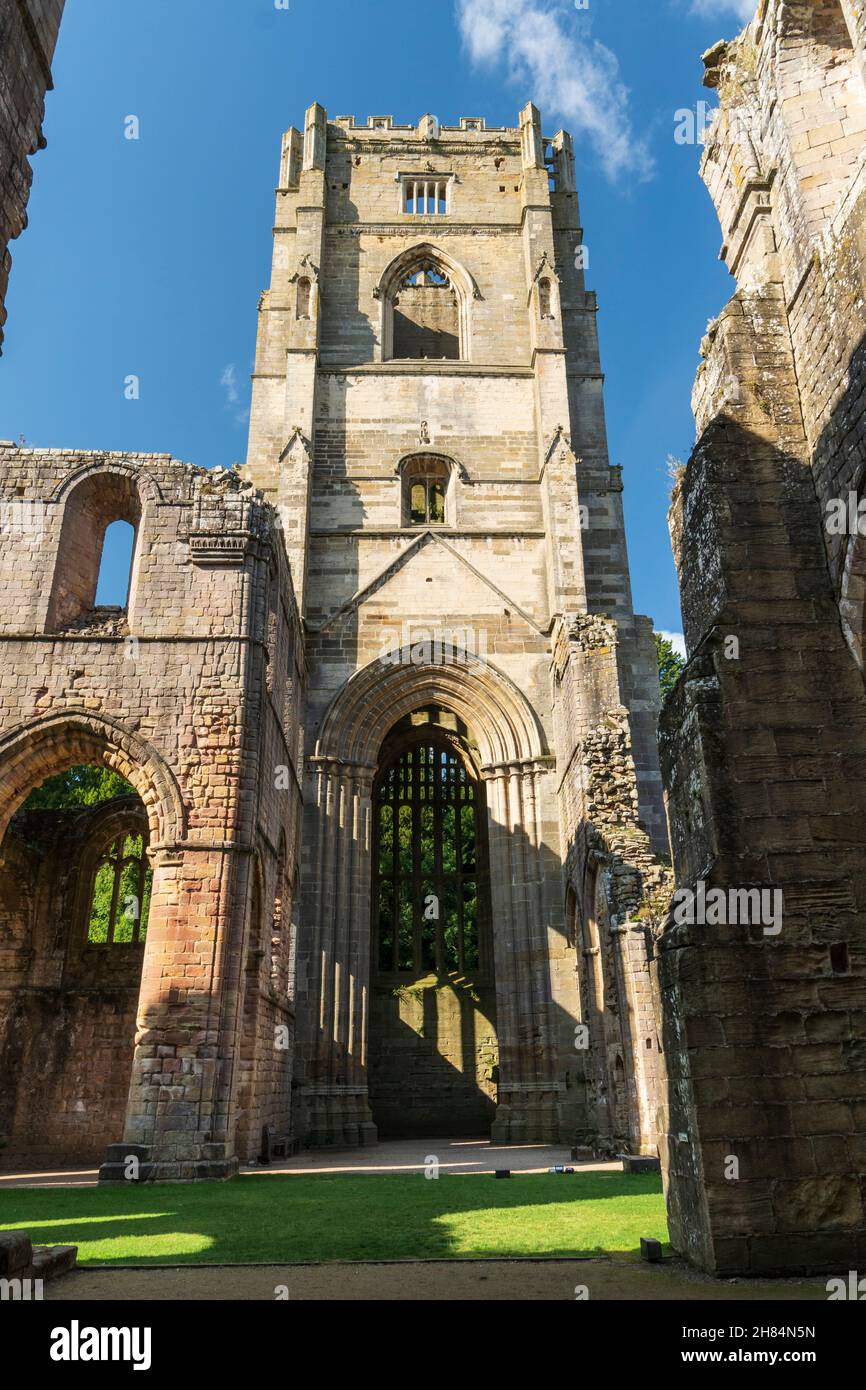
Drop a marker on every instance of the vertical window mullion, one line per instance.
(136, 933)
(115, 889)
(416, 858)
(437, 858)
(395, 870)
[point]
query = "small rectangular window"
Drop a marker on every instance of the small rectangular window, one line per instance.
(425, 195)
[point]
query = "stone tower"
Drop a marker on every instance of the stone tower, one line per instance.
(482, 792)
(764, 740)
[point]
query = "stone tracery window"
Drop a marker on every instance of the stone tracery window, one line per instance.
(121, 890)
(428, 858)
(426, 310)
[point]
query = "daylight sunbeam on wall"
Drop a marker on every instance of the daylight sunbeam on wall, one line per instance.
(570, 74)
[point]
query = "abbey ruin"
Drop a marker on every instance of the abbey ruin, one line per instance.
(399, 807)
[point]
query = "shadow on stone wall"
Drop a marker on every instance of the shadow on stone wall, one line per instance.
(763, 745)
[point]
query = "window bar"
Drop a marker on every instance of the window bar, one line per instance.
(142, 871)
(437, 857)
(115, 890)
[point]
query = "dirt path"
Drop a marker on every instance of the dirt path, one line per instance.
(488, 1280)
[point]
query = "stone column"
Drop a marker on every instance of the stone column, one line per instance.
(335, 1085)
(527, 1088)
(178, 1113)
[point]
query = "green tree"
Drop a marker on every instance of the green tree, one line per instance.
(670, 664)
(80, 786)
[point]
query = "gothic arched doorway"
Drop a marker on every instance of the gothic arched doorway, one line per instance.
(433, 1048)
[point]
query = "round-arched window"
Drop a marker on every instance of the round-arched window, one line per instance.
(425, 491)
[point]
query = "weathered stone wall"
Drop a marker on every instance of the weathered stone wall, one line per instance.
(28, 35)
(67, 1007)
(764, 738)
(193, 695)
(613, 876)
(433, 1060)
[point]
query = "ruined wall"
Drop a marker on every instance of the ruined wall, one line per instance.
(764, 1012)
(433, 1060)
(613, 876)
(67, 1007)
(28, 34)
(194, 695)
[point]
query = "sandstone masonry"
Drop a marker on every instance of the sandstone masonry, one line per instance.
(763, 741)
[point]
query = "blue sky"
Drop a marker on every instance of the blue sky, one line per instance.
(147, 257)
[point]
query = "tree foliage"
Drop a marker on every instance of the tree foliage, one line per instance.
(670, 664)
(80, 786)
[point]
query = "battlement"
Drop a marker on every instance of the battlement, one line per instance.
(428, 128)
(322, 142)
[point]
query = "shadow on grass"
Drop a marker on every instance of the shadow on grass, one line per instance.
(316, 1218)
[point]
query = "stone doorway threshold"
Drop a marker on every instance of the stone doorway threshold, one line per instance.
(391, 1156)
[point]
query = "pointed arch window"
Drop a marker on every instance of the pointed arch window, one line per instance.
(426, 313)
(121, 890)
(430, 886)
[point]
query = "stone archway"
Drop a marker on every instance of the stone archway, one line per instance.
(60, 740)
(69, 998)
(432, 1046)
(517, 771)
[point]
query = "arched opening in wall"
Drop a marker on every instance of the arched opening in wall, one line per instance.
(427, 491)
(432, 1037)
(544, 299)
(75, 904)
(304, 298)
(115, 568)
(97, 554)
(425, 309)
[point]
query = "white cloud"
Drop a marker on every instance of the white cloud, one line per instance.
(569, 75)
(742, 9)
(229, 383)
(677, 641)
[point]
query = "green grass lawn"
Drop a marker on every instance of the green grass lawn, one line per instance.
(367, 1217)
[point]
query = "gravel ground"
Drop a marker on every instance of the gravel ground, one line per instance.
(496, 1280)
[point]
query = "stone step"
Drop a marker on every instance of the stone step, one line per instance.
(51, 1261)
